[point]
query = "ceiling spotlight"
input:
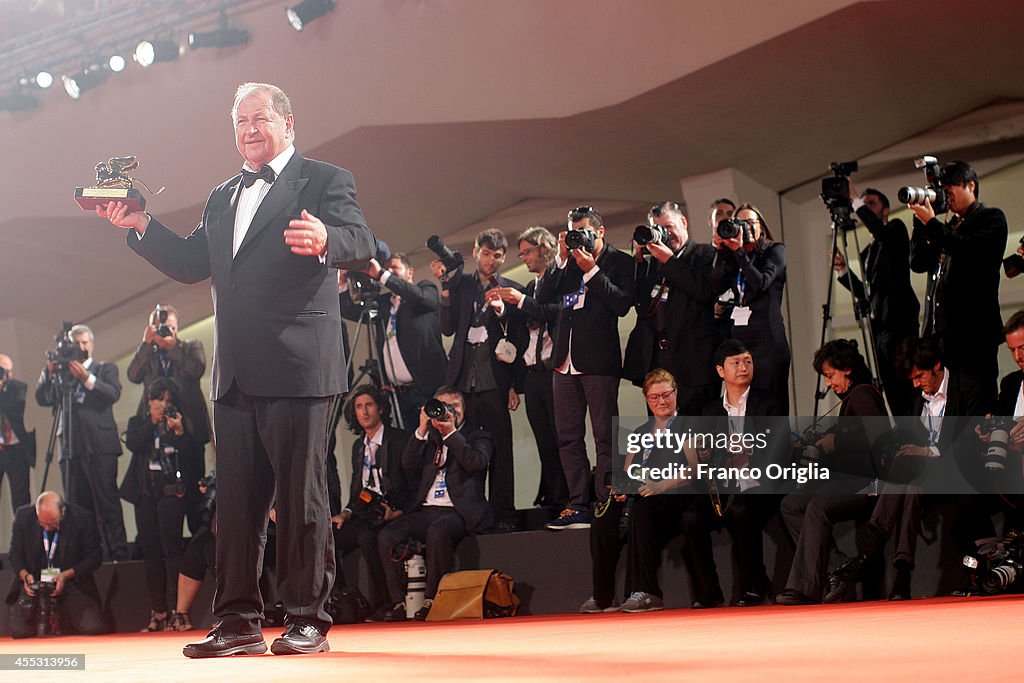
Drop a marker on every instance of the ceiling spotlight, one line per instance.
(43, 79)
(86, 79)
(221, 37)
(116, 63)
(149, 52)
(18, 102)
(306, 11)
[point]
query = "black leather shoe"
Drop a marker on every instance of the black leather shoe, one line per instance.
(840, 578)
(422, 612)
(900, 586)
(220, 643)
(707, 604)
(394, 613)
(791, 597)
(300, 638)
(750, 599)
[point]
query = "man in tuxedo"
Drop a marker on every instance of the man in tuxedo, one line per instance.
(269, 239)
(408, 333)
(675, 306)
(54, 543)
(593, 288)
(890, 301)
(485, 362)
(89, 470)
(17, 447)
(963, 259)
(376, 470)
(448, 503)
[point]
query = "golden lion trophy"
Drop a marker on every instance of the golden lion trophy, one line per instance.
(113, 184)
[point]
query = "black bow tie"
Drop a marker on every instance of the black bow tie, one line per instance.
(265, 173)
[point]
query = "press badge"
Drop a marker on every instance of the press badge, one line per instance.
(49, 575)
(741, 315)
(575, 300)
(660, 292)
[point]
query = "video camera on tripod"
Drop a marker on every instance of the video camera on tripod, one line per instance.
(65, 352)
(835, 192)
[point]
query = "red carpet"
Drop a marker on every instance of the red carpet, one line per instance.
(940, 639)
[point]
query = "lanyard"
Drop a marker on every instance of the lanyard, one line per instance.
(50, 547)
(933, 431)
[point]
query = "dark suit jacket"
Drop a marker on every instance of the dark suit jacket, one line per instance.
(78, 548)
(467, 461)
(966, 299)
(1009, 387)
(457, 317)
(687, 319)
(395, 481)
(93, 426)
(539, 316)
(759, 405)
(278, 326)
(886, 262)
(12, 407)
(417, 328)
(187, 365)
(764, 275)
(595, 327)
(139, 440)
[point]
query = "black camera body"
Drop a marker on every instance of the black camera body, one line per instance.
(437, 410)
(452, 260)
(1013, 265)
(363, 289)
(835, 192)
(370, 505)
(645, 234)
(66, 350)
(731, 228)
(580, 239)
(933, 191)
(160, 320)
(43, 609)
(999, 562)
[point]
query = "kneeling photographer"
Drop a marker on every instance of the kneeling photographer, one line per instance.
(55, 549)
(161, 483)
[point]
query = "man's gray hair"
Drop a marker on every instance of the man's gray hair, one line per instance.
(279, 102)
(82, 329)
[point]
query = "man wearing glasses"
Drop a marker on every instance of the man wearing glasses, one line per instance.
(675, 306)
(592, 283)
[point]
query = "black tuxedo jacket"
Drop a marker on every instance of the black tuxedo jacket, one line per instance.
(1009, 388)
(417, 328)
(457, 317)
(78, 548)
(764, 275)
(963, 306)
(595, 327)
(278, 326)
(395, 481)
(139, 440)
(539, 316)
(187, 365)
(93, 426)
(886, 262)
(760, 405)
(688, 317)
(467, 461)
(12, 407)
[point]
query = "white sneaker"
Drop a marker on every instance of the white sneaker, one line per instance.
(639, 601)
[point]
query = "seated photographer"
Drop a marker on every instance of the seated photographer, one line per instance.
(449, 500)
(55, 548)
(161, 483)
(200, 556)
(753, 265)
(1011, 404)
(380, 488)
(738, 505)
(652, 519)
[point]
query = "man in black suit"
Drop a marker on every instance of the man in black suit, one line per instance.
(675, 307)
(485, 362)
(408, 333)
(270, 239)
(376, 470)
(448, 503)
(54, 543)
(593, 288)
(890, 301)
(17, 447)
(89, 470)
(963, 259)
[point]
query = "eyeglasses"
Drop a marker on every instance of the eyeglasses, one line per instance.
(523, 253)
(580, 212)
(664, 396)
(663, 207)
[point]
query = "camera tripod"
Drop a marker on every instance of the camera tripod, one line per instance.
(373, 366)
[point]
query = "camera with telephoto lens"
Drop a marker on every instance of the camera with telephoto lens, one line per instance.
(43, 609)
(646, 234)
(835, 192)
(997, 428)
(452, 260)
(999, 562)
(731, 228)
(437, 410)
(66, 350)
(580, 239)
(932, 192)
(160, 320)
(370, 505)
(1013, 265)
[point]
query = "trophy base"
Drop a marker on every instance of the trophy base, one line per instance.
(90, 197)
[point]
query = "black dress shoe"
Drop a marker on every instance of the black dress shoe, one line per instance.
(221, 643)
(840, 578)
(900, 586)
(792, 597)
(300, 638)
(393, 613)
(750, 599)
(707, 604)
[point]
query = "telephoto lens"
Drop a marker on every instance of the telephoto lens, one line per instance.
(435, 409)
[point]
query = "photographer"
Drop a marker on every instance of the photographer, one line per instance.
(721, 209)
(486, 360)
(675, 326)
(449, 499)
(89, 471)
(163, 354)
(200, 556)
(889, 297)
(380, 490)
(593, 284)
(54, 551)
(753, 265)
(963, 259)
(161, 483)
(17, 446)
(409, 332)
